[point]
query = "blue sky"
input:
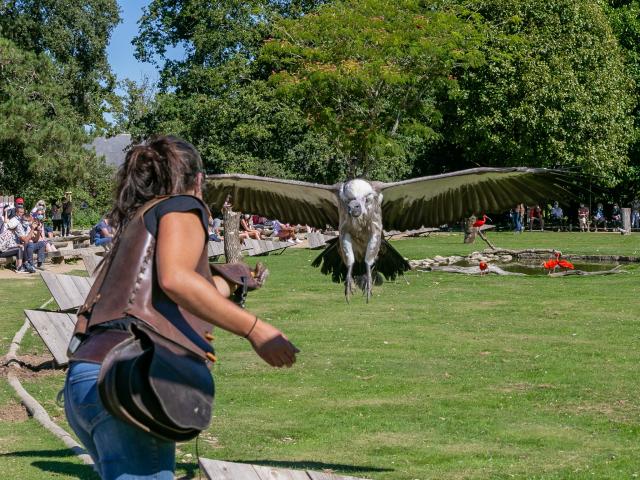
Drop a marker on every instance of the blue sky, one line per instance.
(120, 50)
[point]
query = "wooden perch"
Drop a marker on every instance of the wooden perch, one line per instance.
(582, 272)
(467, 270)
(531, 251)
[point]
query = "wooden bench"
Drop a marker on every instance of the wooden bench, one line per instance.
(215, 249)
(91, 262)
(69, 291)
(318, 239)
(264, 247)
(55, 329)
(219, 470)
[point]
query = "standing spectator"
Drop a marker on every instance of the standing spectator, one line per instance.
(583, 218)
(515, 219)
(635, 213)
(103, 233)
(67, 210)
(56, 216)
(599, 217)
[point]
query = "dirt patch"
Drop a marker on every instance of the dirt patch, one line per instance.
(13, 412)
(8, 274)
(31, 366)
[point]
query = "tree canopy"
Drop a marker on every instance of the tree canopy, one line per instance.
(321, 90)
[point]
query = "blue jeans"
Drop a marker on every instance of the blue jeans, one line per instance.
(38, 247)
(103, 241)
(120, 451)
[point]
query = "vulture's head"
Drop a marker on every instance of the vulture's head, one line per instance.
(359, 198)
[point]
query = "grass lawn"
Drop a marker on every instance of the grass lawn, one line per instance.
(441, 376)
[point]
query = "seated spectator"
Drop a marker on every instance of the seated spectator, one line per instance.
(10, 246)
(635, 213)
(583, 218)
(557, 216)
(535, 214)
(247, 230)
(103, 233)
(616, 216)
(30, 233)
(47, 232)
(599, 218)
(40, 205)
(214, 230)
(285, 232)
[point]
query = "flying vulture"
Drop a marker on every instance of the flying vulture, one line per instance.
(360, 209)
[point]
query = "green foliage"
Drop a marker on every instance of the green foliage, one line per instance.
(553, 92)
(397, 89)
(75, 36)
(368, 75)
(41, 134)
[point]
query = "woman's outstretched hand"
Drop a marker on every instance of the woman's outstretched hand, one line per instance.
(272, 345)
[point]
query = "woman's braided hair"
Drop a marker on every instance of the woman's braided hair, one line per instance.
(163, 165)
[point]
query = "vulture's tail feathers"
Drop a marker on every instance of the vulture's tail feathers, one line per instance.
(389, 265)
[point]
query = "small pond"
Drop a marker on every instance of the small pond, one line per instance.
(531, 267)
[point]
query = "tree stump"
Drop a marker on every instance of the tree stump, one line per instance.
(232, 243)
(469, 230)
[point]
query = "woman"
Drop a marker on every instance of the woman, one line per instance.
(156, 276)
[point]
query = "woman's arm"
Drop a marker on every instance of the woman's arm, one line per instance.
(179, 247)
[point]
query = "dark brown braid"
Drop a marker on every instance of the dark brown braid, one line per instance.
(163, 165)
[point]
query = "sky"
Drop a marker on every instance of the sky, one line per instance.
(120, 51)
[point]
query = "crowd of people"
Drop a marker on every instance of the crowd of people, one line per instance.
(25, 235)
(534, 216)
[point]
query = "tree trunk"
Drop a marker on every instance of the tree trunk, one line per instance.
(469, 230)
(626, 221)
(232, 244)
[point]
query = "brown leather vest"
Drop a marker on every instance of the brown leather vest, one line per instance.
(127, 285)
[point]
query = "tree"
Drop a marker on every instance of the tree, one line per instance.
(41, 134)
(554, 92)
(368, 75)
(75, 36)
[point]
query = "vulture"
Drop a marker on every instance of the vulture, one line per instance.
(361, 209)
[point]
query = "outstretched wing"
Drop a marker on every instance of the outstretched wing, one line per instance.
(289, 201)
(433, 201)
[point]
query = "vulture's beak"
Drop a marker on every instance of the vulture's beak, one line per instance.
(354, 208)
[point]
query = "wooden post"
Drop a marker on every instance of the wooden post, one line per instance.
(626, 221)
(469, 230)
(232, 244)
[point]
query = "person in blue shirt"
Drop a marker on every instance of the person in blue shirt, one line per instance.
(103, 233)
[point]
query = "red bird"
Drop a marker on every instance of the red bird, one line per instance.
(483, 268)
(479, 223)
(552, 264)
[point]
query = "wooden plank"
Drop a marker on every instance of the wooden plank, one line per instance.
(91, 262)
(272, 473)
(215, 249)
(69, 291)
(217, 470)
(328, 476)
(55, 329)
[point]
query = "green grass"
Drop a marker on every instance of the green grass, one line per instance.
(440, 377)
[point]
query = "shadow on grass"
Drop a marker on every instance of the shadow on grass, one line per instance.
(74, 470)
(313, 465)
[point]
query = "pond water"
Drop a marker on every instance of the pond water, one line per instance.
(535, 267)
